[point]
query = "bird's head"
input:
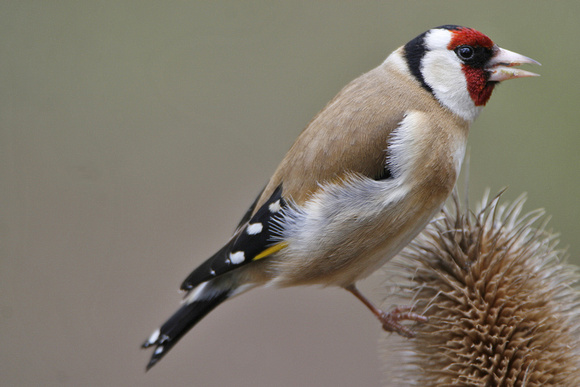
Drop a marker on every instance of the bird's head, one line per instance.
(460, 67)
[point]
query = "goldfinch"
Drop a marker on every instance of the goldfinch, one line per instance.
(361, 181)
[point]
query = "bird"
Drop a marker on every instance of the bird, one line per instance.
(363, 178)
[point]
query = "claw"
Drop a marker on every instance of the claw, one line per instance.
(391, 320)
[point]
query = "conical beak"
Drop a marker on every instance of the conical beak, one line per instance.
(501, 65)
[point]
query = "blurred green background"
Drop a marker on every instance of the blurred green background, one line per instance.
(134, 134)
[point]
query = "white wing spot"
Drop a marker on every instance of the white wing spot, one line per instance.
(154, 336)
(254, 228)
(237, 257)
(212, 272)
(274, 207)
(158, 350)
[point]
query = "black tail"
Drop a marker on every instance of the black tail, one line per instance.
(197, 306)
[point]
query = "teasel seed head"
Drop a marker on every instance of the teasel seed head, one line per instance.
(503, 306)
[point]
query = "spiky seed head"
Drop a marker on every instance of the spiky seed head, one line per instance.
(503, 307)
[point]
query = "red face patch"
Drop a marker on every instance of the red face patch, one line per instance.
(477, 86)
(470, 37)
(479, 89)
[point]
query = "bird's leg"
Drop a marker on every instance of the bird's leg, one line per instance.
(390, 320)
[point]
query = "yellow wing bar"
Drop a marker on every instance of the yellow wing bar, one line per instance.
(271, 250)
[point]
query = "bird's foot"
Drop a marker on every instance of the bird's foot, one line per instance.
(391, 320)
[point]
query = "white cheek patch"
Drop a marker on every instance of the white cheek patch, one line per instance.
(442, 71)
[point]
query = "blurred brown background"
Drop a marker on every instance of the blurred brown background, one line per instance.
(134, 134)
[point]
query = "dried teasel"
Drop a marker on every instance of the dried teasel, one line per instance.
(503, 307)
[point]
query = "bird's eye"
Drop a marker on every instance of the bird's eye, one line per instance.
(465, 52)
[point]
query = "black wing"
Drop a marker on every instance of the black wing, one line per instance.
(252, 241)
